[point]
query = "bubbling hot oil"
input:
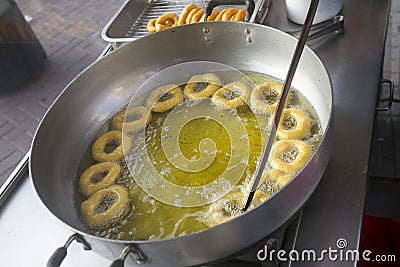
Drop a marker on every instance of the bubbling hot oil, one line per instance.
(152, 219)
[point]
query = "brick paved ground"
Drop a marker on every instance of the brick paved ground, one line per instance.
(69, 31)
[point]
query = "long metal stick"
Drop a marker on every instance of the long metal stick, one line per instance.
(14, 179)
(288, 82)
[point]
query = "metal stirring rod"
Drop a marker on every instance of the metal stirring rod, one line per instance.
(288, 82)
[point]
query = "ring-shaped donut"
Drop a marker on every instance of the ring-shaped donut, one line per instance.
(166, 20)
(291, 155)
(169, 23)
(202, 85)
(260, 196)
(225, 208)
(212, 17)
(110, 146)
(185, 13)
(133, 119)
(220, 14)
(240, 15)
(98, 176)
(164, 98)
(230, 206)
(197, 16)
(294, 124)
(151, 26)
(282, 178)
(191, 14)
(264, 98)
(105, 206)
(231, 95)
(229, 13)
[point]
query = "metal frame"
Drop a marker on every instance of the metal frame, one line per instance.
(14, 179)
(140, 13)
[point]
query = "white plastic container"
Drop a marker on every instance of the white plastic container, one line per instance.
(297, 10)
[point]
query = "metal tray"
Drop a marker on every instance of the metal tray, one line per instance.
(130, 21)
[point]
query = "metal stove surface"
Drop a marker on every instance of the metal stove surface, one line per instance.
(26, 227)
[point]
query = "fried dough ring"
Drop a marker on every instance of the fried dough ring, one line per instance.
(191, 14)
(97, 216)
(240, 15)
(211, 80)
(291, 155)
(264, 98)
(185, 13)
(282, 178)
(260, 196)
(166, 21)
(293, 130)
(142, 117)
(98, 176)
(231, 95)
(229, 13)
(225, 208)
(212, 17)
(231, 205)
(109, 138)
(151, 26)
(220, 14)
(197, 16)
(173, 94)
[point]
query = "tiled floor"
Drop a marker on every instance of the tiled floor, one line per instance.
(69, 31)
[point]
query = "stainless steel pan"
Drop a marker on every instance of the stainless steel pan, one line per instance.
(98, 92)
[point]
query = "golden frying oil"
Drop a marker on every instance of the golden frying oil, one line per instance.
(151, 219)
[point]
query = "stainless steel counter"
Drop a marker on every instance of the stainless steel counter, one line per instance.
(354, 61)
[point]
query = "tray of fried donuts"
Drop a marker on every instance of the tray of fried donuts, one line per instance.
(136, 19)
(192, 13)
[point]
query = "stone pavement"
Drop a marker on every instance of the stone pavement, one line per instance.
(69, 31)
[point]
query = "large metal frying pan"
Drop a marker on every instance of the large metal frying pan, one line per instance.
(97, 93)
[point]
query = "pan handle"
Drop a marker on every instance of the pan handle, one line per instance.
(388, 99)
(137, 254)
(250, 6)
(335, 24)
(59, 254)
